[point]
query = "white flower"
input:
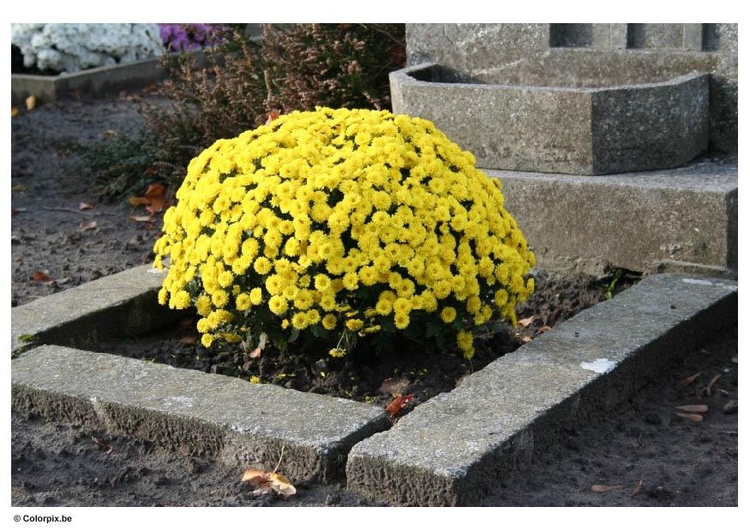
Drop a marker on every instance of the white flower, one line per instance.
(74, 47)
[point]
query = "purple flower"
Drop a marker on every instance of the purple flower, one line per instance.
(182, 37)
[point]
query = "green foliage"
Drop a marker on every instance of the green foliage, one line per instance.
(122, 165)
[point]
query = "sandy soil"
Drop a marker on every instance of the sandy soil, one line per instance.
(644, 453)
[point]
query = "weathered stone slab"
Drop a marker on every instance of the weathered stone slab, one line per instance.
(453, 448)
(679, 219)
(221, 417)
(122, 304)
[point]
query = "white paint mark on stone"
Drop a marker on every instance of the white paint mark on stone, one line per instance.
(700, 281)
(599, 366)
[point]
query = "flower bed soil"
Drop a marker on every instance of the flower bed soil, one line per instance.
(363, 376)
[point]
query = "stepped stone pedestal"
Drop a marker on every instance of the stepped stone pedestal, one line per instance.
(615, 143)
(589, 130)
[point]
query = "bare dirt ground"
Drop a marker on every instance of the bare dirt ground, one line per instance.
(643, 454)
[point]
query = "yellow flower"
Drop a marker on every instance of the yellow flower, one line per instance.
(448, 314)
(351, 281)
(262, 265)
(329, 321)
(242, 302)
(278, 305)
(225, 279)
(354, 324)
(401, 320)
(256, 296)
(203, 305)
(383, 306)
(341, 215)
(207, 340)
(300, 321)
(219, 298)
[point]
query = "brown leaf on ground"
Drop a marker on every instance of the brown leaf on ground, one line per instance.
(142, 219)
(605, 488)
(154, 199)
(41, 276)
(544, 329)
(526, 339)
(693, 408)
(257, 351)
(638, 488)
(708, 389)
(693, 417)
(269, 482)
(272, 116)
(14, 112)
(730, 407)
(527, 321)
(690, 379)
(30, 102)
(104, 447)
(395, 406)
(87, 225)
(85, 205)
(394, 386)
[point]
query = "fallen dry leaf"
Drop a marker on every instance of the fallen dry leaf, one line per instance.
(257, 351)
(397, 404)
(730, 407)
(110, 133)
(638, 488)
(189, 340)
(526, 322)
(693, 417)
(710, 384)
(142, 219)
(18, 188)
(526, 339)
(41, 276)
(104, 447)
(394, 386)
(87, 225)
(14, 112)
(605, 488)
(84, 205)
(30, 102)
(272, 116)
(269, 482)
(154, 199)
(690, 379)
(544, 329)
(694, 408)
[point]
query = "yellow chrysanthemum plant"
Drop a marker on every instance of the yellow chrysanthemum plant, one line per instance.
(334, 225)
